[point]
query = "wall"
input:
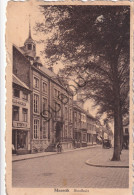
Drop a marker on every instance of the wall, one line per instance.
(21, 66)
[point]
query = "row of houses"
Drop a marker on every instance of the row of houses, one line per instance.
(44, 111)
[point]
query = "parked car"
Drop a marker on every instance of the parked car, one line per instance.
(107, 143)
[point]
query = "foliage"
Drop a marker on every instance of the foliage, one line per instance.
(97, 39)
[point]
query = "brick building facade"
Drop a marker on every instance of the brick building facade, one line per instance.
(20, 117)
(50, 119)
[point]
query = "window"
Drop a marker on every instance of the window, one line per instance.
(44, 87)
(75, 119)
(24, 111)
(55, 93)
(29, 46)
(65, 131)
(25, 96)
(36, 103)
(70, 115)
(70, 131)
(36, 82)
(44, 103)
(15, 113)
(126, 130)
(84, 137)
(44, 129)
(36, 129)
(65, 112)
(57, 109)
(16, 93)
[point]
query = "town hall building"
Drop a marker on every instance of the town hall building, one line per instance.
(51, 120)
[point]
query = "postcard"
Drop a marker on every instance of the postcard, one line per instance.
(69, 109)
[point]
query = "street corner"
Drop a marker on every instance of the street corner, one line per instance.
(106, 165)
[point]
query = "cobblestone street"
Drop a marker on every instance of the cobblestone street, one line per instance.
(68, 170)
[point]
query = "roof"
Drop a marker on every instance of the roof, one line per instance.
(20, 49)
(29, 40)
(82, 110)
(17, 81)
(48, 72)
(25, 52)
(38, 61)
(42, 68)
(45, 70)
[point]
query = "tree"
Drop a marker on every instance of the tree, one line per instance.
(93, 41)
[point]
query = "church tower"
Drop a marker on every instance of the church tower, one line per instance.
(29, 50)
(29, 45)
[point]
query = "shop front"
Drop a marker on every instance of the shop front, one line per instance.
(20, 139)
(20, 117)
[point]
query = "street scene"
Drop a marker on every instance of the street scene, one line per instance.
(70, 96)
(70, 170)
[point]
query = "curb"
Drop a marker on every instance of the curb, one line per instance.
(45, 155)
(106, 166)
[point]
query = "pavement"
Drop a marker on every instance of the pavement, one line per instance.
(103, 159)
(43, 154)
(69, 170)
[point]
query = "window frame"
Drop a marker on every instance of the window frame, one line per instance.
(14, 107)
(38, 106)
(46, 87)
(14, 93)
(29, 46)
(37, 133)
(46, 107)
(25, 114)
(36, 82)
(25, 94)
(46, 129)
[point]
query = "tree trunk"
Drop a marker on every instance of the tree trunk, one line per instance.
(116, 154)
(117, 116)
(121, 134)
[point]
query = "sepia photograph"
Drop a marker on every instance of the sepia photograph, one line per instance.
(69, 96)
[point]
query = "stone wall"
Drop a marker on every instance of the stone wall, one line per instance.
(38, 145)
(67, 145)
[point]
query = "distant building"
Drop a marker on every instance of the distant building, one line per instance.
(126, 133)
(20, 117)
(84, 126)
(91, 130)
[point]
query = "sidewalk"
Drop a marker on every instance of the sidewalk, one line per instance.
(43, 154)
(102, 159)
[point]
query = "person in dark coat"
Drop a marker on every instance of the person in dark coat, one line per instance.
(59, 147)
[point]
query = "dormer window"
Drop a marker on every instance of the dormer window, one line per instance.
(29, 47)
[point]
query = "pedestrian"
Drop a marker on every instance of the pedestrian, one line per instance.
(59, 147)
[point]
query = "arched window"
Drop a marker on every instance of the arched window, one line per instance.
(29, 47)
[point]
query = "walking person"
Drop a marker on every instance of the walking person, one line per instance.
(59, 147)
